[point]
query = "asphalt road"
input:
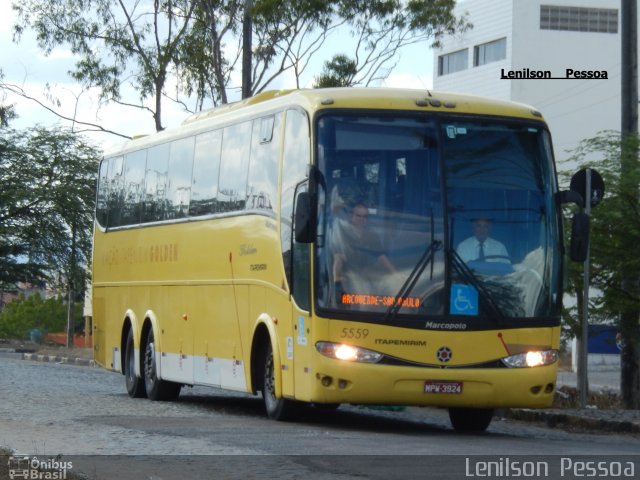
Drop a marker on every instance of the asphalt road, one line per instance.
(84, 414)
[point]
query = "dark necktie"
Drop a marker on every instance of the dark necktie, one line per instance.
(481, 250)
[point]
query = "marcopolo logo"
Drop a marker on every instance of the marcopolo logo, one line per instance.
(26, 467)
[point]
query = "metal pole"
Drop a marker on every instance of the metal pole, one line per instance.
(629, 329)
(629, 66)
(583, 380)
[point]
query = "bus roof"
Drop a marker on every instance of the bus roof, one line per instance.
(337, 98)
(379, 98)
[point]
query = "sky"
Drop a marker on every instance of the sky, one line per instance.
(25, 65)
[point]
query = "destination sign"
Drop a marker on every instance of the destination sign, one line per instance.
(378, 300)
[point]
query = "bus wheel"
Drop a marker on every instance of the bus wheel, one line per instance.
(277, 408)
(157, 389)
(470, 419)
(135, 384)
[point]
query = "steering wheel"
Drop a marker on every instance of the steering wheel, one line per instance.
(491, 257)
(485, 267)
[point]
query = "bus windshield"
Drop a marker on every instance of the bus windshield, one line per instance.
(452, 219)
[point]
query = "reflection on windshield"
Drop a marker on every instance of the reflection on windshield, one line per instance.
(501, 218)
(381, 206)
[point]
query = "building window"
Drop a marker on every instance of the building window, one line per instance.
(490, 52)
(578, 19)
(453, 62)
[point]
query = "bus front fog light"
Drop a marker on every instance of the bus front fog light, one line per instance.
(536, 358)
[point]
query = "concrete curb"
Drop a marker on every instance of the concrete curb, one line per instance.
(568, 420)
(85, 362)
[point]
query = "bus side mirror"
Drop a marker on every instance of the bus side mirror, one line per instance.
(570, 196)
(304, 220)
(579, 237)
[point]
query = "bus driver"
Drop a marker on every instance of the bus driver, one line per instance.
(481, 247)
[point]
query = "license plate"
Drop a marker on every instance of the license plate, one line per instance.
(432, 386)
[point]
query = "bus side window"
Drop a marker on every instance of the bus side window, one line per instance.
(295, 161)
(134, 170)
(103, 194)
(263, 166)
(180, 171)
(115, 191)
(206, 168)
(156, 183)
(234, 169)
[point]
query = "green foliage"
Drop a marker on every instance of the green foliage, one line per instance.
(7, 112)
(46, 205)
(338, 72)
(615, 263)
(380, 29)
(19, 317)
(615, 224)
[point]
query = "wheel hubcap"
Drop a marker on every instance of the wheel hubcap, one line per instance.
(149, 363)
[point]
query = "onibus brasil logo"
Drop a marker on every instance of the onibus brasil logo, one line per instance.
(26, 467)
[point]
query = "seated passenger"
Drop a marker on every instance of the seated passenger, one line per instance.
(358, 253)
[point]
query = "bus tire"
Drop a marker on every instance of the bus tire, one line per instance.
(135, 384)
(470, 419)
(281, 409)
(157, 389)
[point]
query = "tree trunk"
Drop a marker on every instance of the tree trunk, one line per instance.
(71, 308)
(247, 26)
(630, 373)
(157, 115)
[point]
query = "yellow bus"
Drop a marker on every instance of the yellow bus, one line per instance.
(320, 247)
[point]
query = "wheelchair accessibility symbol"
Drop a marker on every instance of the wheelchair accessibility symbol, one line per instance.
(464, 300)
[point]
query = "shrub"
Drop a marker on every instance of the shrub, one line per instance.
(19, 317)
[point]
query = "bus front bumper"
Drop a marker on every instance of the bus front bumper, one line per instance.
(360, 383)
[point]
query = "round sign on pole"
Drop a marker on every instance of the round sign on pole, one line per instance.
(579, 184)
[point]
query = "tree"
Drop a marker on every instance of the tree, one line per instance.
(290, 34)
(200, 42)
(117, 42)
(615, 229)
(7, 112)
(338, 72)
(46, 206)
(207, 60)
(381, 29)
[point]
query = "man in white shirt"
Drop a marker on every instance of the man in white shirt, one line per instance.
(481, 247)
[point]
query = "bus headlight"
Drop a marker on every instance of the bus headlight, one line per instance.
(535, 358)
(349, 353)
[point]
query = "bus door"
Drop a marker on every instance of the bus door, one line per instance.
(300, 285)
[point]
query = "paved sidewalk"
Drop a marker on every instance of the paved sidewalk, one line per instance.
(604, 382)
(599, 380)
(53, 354)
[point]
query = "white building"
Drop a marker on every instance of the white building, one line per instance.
(526, 38)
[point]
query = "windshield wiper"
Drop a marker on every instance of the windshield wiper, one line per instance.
(467, 274)
(412, 279)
